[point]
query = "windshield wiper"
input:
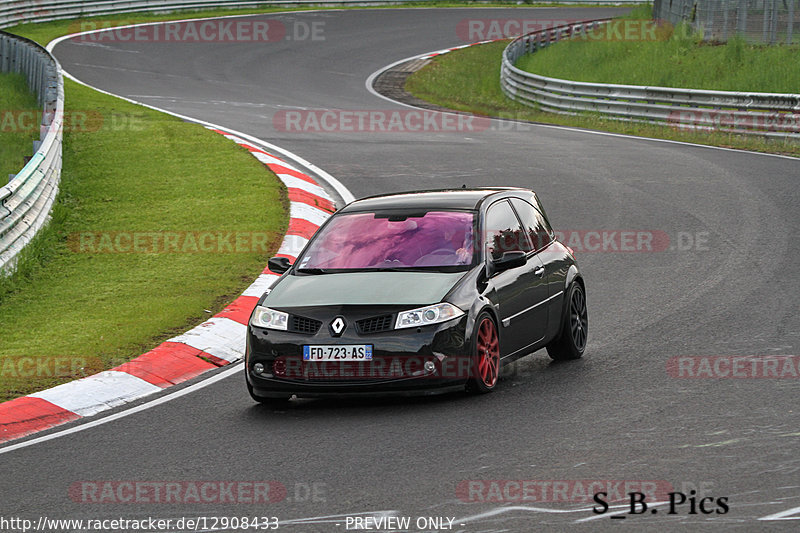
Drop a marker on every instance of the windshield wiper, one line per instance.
(411, 268)
(440, 268)
(312, 270)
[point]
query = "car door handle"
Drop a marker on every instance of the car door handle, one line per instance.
(539, 271)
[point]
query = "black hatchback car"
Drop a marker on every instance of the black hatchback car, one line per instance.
(417, 293)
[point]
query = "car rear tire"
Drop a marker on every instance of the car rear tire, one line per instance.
(571, 341)
(485, 356)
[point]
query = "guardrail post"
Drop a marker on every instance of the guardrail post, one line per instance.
(790, 23)
(39, 72)
(741, 25)
(657, 6)
(725, 12)
(709, 29)
(774, 24)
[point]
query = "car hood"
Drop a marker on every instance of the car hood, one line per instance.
(362, 288)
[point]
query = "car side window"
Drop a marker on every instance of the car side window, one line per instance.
(503, 231)
(534, 224)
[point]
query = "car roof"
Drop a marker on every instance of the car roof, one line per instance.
(437, 198)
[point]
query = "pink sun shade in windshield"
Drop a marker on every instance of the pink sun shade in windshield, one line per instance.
(360, 240)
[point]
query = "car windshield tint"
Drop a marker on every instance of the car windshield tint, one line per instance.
(395, 240)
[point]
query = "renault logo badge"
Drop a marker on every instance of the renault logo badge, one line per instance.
(338, 325)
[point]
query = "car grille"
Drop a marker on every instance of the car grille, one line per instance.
(301, 324)
(379, 369)
(374, 324)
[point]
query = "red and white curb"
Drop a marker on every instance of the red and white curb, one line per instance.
(453, 49)
(216, 342)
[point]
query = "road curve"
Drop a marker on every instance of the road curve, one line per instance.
(617, 414)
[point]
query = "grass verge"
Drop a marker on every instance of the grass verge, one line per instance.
(669, 57)
(468, 80)
(132, 171)
(19, 123)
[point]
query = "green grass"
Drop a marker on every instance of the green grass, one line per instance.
(134, 170)
(671, 59)
(19, 124)
(468, 80)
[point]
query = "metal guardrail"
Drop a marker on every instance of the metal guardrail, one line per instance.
(766, 114)
(26, 200)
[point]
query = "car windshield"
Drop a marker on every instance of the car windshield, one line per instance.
(397, 240)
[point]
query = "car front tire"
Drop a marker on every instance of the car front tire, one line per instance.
(485, 356)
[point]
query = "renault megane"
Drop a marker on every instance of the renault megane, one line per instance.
(416, 293)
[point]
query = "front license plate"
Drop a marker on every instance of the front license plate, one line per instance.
(338, 352)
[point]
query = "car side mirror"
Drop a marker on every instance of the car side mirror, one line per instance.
(279, 265)
(509, 260)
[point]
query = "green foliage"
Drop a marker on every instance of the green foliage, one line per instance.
(19, 123)
(640, 12)
(670, 58)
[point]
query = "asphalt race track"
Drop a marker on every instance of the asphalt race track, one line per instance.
(725, 283)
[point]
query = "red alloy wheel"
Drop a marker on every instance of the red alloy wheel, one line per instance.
(488, 353)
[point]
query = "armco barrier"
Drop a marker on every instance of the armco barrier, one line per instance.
(26, 200)
(766, 114)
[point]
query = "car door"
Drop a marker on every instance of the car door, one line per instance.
(520, 292)
(551, 256)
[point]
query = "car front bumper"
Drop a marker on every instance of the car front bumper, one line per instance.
(412, 361)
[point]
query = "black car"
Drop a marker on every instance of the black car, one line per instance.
(418, 292)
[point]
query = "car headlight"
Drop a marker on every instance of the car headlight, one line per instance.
(432, 314)
(264, 317)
